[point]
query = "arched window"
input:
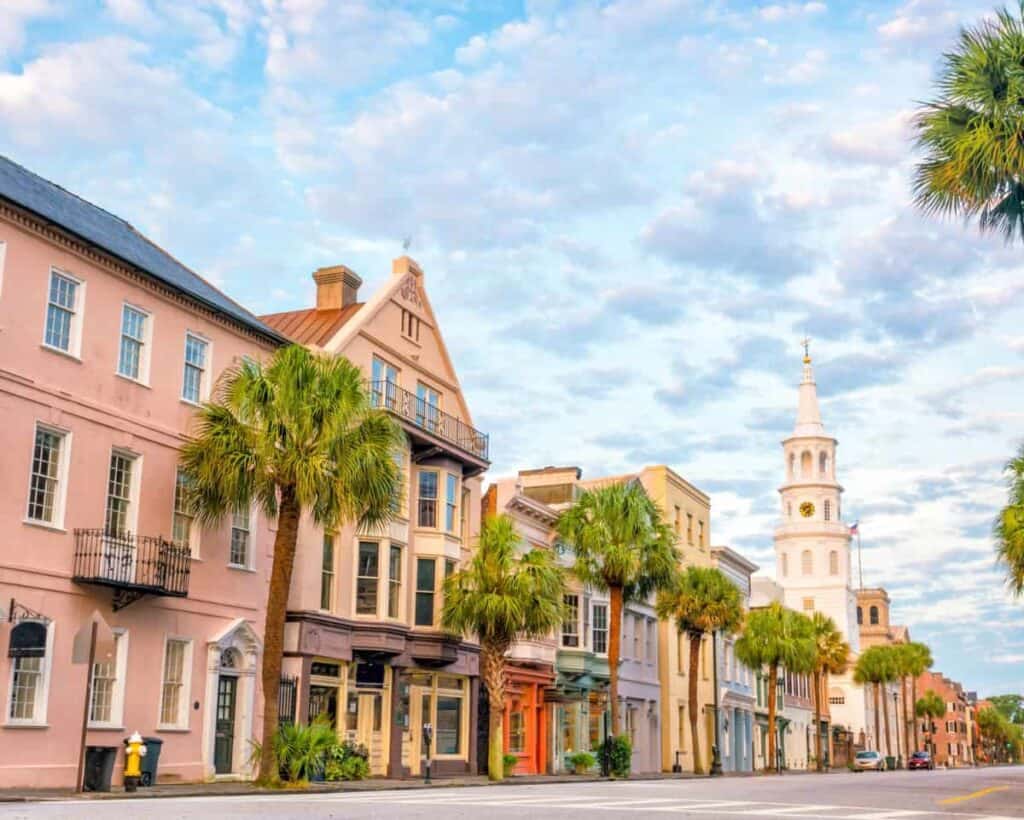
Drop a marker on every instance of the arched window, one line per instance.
(828, 510)
(805, 463)
(789, 509)
(792, 465)
(874, 615)
(823, 464)
(806, 562)
(785, 565)
(860, 616)
(833, 563)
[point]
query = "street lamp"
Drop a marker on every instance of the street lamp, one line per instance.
(896, 715)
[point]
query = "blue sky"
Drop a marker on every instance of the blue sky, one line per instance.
(629, 213)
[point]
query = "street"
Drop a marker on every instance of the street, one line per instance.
(980, 794)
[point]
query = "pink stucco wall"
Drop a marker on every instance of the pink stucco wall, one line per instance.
(102, 410)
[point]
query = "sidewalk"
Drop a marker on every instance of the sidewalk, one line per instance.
(225, 789)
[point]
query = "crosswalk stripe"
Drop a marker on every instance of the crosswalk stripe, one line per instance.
(790, 811)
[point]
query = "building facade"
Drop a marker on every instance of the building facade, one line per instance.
(876, 630)
(107, 346)
(736, 699)
(947, 737)
(812, 546)
(363, 640)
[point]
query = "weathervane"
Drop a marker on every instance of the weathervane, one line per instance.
(806, 342)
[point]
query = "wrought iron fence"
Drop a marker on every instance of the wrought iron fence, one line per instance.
(287, 697)
(131, 561)
(427, 417)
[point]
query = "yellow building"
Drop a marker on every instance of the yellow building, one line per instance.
(688, 511)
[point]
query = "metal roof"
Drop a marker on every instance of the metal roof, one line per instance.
(118, 238)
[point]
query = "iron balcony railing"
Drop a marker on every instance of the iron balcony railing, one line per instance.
(427, 417)
(134, 562)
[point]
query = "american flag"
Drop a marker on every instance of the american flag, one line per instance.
(853, 528)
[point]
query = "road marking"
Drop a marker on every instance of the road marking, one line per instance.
(972, 795)
(888, 814)
(788, 811)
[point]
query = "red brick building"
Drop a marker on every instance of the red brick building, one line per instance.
(948, 737)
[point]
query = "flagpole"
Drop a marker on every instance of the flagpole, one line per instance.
(860, 560)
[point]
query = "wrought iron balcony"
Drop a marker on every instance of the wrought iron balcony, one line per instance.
(431, 420)
(132, 565)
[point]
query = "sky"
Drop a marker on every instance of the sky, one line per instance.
(629, 213)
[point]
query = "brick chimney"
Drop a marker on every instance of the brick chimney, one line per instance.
(336, 287)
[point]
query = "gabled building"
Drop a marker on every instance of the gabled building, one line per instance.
(107, 346)
(363, 641)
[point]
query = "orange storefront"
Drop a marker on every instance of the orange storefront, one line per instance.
(526, 716)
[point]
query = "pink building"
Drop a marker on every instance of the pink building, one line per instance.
(106, 346)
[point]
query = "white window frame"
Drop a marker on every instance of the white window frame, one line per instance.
(63, 469)
(117, 696)
(594, 606)
(563, 634)
(248, 563)
(451, 505)
(146, 343)
(193, 531)
(42, 694)
(75, 330)
(134, 487)
(204, 381)
(185, 701)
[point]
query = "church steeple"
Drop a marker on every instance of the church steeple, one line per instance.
(808, 416)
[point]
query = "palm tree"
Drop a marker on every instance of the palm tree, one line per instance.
(930, 706)
(778, 638)
(831, 656)
(913, 659)
(295, 436)
(502, 597)
(973, 163)
(702, 601)
(876, 667)
(622, 546)
(1009, 527)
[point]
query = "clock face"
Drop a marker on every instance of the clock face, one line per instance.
(807, 509)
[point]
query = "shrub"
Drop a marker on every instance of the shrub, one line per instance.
(301, 750)
(617, 756)
(346, 761)
(582, 760)
(509, 763)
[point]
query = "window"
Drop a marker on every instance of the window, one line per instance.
(451, 493)
(384, 382)
(45, 496)
(792, 465)
(860, 616)
(700, 534)
(682, 727)
(837, 700)
(570, 624)
(428, 403)
(30, 679)
(652, 641)
(174, 694)
(410, 325)
(805, 463)
(181, 526)
(464, 516)
(118, 519)
(678, 525)
(833, 562)
(516, 732)
(62, 314)
(448, 728)
(239, 553)
(193, 387)
(600, 634)
(394, 580)
(682, 653)
(106, 705)
(873, 613)
(806, 562)
(789, 509)
(426, 579)
(367, 577)
(808, 605)
(822, 464)
(828, 510)
(132, 362)
(427, 499)
(327, 573)
(689, 528)
(638, 647)
(785, 565)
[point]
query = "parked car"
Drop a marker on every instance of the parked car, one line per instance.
(921, 760)
(865, 761)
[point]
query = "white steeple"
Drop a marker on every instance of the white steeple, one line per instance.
(808, 416)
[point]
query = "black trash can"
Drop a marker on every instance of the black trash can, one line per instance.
(149, 762)
(99, 768)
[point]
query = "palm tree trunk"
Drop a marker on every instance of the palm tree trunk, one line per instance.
(878, 733)
(906, 721)
(913, 694)
(695, 643)
(492, 669)
(888, 732)
(817, 720)
(773, 679)
(614, 642)
(273, 631)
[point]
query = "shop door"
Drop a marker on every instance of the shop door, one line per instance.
(421, 702)
(224, 739)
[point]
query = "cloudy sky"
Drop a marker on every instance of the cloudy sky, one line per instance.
(629, 213)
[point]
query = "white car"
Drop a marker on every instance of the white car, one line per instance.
(865, 761)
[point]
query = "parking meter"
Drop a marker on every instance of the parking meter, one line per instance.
(428, 736)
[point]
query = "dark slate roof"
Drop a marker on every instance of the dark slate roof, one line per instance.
(118, 238)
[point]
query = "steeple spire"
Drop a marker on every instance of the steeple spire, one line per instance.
(808, 416)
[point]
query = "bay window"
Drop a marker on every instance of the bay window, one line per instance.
(427, 498)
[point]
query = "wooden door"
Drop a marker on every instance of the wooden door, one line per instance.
(224, 739)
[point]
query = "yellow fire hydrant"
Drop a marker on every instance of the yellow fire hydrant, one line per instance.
(134, 751)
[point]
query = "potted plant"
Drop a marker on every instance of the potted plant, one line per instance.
(582, 762)
(509, 762)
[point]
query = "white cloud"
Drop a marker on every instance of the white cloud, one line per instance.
(776, 12)
(16, 14)
(806, 70)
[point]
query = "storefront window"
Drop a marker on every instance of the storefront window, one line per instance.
(569, 728)
(595, 725)
(449, 721)
(516, 732)
(352, 711)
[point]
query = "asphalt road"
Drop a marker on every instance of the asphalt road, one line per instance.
(964, 794)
